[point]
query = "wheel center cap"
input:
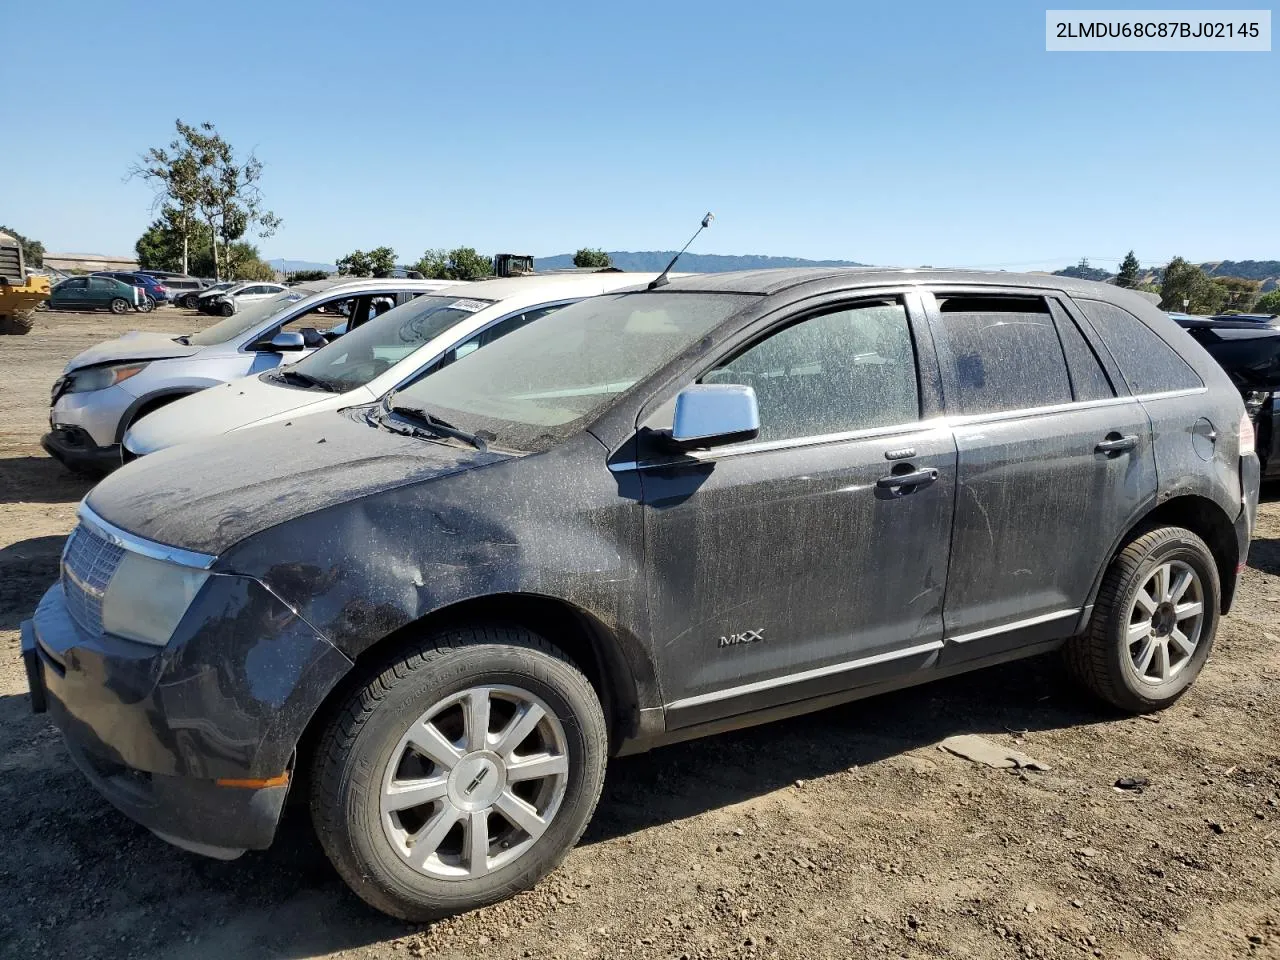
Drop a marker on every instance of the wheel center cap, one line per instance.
(477, 781)
(1163, 621)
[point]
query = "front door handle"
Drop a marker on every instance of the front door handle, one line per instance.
(916, 478)
(1116, 443)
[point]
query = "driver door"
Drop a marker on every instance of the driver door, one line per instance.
(796, 565)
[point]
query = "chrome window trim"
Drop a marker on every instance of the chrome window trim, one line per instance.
(771, 683)
(849, 665)
(916, 427)
(141, 545)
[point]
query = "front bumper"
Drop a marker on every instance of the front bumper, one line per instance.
(97, 412)
(74, 448)
(154, 730)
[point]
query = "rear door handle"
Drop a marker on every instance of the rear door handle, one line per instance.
(916, 478)
(1116, 444)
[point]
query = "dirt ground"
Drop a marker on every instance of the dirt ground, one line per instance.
(847, 833)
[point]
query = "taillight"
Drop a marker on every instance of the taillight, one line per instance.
(1246, 435)
(161, 288)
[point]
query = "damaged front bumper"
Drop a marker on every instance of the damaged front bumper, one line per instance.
(193, 740)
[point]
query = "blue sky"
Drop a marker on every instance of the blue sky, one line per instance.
(892, 133)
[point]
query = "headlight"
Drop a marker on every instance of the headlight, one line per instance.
(99, 378)
(146, 598)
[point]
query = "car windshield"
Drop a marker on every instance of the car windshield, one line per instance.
(358, 357)
(543, 382)
(244, 319)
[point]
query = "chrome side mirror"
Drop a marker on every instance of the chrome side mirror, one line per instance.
(711, 414)
(288, 340)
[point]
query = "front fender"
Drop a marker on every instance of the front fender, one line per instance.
(367, 568)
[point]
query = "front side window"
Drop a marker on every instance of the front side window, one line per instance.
(356, 358)
(1148, 363)
(848, 369)
(1005, 353)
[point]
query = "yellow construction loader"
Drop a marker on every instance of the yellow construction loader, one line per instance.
(20, 293)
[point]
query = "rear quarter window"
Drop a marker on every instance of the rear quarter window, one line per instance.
(1148, 364)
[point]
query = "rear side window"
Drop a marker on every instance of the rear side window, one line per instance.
(1089, 381)
(1006, 353)
(1148, 363)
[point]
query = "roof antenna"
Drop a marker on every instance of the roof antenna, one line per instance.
(661, 280)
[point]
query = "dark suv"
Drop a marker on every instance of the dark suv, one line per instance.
(1248, 347)
(645, 517)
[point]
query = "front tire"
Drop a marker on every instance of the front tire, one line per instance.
(226, 309)
(119, 305)
(1153, 623)
(461, 774)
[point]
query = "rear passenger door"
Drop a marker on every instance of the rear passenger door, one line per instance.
(1055, 460)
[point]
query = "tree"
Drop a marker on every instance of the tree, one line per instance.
(304, 276)
(355, 264)
(199, 179)
(1239, 294)
(162, 247)
(460, 263)
(592, 257)
(382, 261)
(1185, 281)
(1268, 302)
(1129, 270)
(32, 250)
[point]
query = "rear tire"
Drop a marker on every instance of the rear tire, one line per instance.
(1153, 623)
(119, 305)
(491, 819)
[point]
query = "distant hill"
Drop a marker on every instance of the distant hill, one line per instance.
(1081, 272)
(652, 261)
(1268, 271)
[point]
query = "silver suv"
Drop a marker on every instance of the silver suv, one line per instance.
(106, 388)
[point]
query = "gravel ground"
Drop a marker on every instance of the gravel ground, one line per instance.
(847, 833)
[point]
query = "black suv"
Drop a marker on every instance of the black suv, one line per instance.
(647, 516)
(1248, 347)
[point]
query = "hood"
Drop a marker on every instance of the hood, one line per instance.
(132, 346)
(207, 496)
(224, 408)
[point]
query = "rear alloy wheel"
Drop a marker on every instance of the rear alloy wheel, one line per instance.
(461, 774)
(1153, 623)
(119, 305)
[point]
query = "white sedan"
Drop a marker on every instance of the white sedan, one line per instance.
(387, 353)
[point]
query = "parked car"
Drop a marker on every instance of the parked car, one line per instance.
(103, 390)
(645, 517)
(199, 298)
(239, 296)
(95, 293)
(387, 353)
(151, 286)
(1248, 348)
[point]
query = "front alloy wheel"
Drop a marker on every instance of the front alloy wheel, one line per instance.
(460, 774)
(474, 782)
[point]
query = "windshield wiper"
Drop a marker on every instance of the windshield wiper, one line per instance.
(429, 422)
(305, 380)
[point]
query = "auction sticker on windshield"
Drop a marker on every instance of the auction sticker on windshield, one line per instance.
(471, 306)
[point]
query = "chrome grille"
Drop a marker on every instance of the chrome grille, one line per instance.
(88, 564)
